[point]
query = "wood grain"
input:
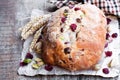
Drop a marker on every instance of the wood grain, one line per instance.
(11, 14)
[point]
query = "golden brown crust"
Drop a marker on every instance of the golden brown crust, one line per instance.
(84, 46)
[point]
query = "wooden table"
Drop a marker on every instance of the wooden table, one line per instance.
(11, 13)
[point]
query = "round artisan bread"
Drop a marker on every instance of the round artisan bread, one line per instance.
(74, 38)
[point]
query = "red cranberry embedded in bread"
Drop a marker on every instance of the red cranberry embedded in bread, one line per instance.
(78, 20)
(66, 42)
(67, 50)
(107, 36)
(114, 35)
(73, 27)
(61, 30)
(76, 8)
(105, 70)
(108, 20)
(63, 19)
(108, 53)
(48, 67)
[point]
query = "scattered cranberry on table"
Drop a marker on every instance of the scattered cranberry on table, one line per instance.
(23, 64)
(108, 53)
(29, 56)
(27, 60)
(114, 35)
(105, 70)
(48, 67)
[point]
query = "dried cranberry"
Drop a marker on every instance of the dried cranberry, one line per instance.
(78, 20)
(67, 50)
(73, 27)
(114, 35)
(63, 19)
(48, 67)
(61, 30)
(29, 56)
(107, 36)
(108, 20)
(82, 49)
(105, 70)
(76, 9)
(23, 64)
(108, 53)
(66, 42)
(70, 59)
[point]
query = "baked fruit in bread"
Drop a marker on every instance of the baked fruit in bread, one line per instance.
(74, 37)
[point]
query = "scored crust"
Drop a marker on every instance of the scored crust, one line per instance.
(74, 41)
